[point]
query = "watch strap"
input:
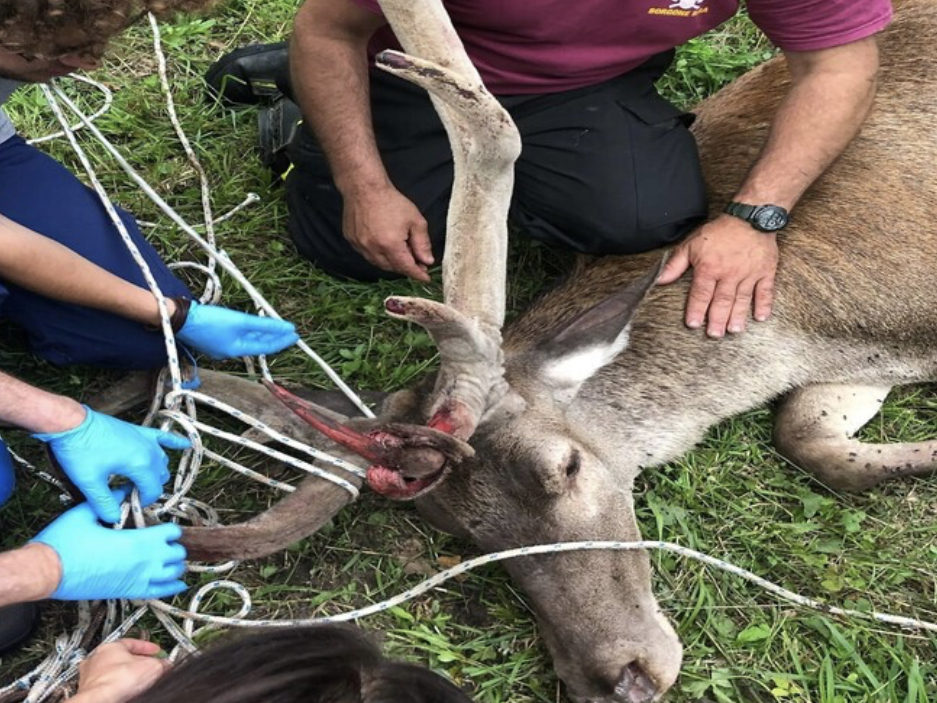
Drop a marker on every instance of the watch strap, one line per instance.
(741, 210)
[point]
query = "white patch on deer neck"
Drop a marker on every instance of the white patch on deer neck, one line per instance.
(566, 374)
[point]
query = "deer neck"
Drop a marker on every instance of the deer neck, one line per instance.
(661, 396)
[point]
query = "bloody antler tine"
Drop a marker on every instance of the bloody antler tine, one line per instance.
(360, 444)
(485, 144)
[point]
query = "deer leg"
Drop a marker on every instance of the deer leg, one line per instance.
(815, 427)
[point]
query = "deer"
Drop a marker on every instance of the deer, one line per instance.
(535, 433)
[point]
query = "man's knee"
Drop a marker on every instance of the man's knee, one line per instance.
(630, 212)
(604, 228)
(630, 181)
(315, 226)
(117, 343)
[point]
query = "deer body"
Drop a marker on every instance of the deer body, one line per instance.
(857, 297)
(602, 380)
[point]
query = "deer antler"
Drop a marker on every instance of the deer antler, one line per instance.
(485, 143)
(467, 326)
(299, 515)
(409, 460)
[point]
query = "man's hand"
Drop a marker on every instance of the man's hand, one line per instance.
(223, 334)
(98, 562)
(119, 671)
(389, 231)
(733, 265)
(103, 445)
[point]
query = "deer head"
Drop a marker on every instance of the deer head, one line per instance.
(543, 473)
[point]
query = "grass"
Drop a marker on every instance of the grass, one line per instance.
(733, 496)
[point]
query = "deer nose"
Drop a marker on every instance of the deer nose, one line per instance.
(634, 685)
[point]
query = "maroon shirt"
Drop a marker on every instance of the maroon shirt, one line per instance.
(546, 46)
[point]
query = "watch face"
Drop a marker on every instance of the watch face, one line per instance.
(770, 218)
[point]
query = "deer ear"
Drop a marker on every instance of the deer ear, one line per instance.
(592, 339)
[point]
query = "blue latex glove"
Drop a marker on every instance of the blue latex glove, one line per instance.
(99, 562)
(222, 333)
(103, 445)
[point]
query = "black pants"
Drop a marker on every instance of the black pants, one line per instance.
(607, 169)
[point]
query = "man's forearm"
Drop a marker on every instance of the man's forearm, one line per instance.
(42, 265)
(829, 100)
(36, 410)
(328, 65)
(29, 573)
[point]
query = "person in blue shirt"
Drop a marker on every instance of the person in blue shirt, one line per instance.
(68, 280)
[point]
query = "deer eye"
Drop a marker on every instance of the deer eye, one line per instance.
(574, 464)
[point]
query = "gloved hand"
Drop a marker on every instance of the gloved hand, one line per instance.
(222, 333)
(103, 445)
(99, 562)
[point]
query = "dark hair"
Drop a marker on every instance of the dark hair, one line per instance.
(55, 27)
(317, 664)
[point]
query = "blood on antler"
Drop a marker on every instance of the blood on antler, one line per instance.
(406, 459)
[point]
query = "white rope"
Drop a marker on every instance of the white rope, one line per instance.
(64, 497)
(270, 432)
(557, 548)
(184, 140)
(108, 101)
(250, 199)
(280, 456)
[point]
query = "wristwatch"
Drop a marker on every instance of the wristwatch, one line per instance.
(764, 218)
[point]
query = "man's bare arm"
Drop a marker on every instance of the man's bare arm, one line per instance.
(42, 265)
(36, 410)
(734, 266)
(328, 64)
(29, 573)
(831, 94)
